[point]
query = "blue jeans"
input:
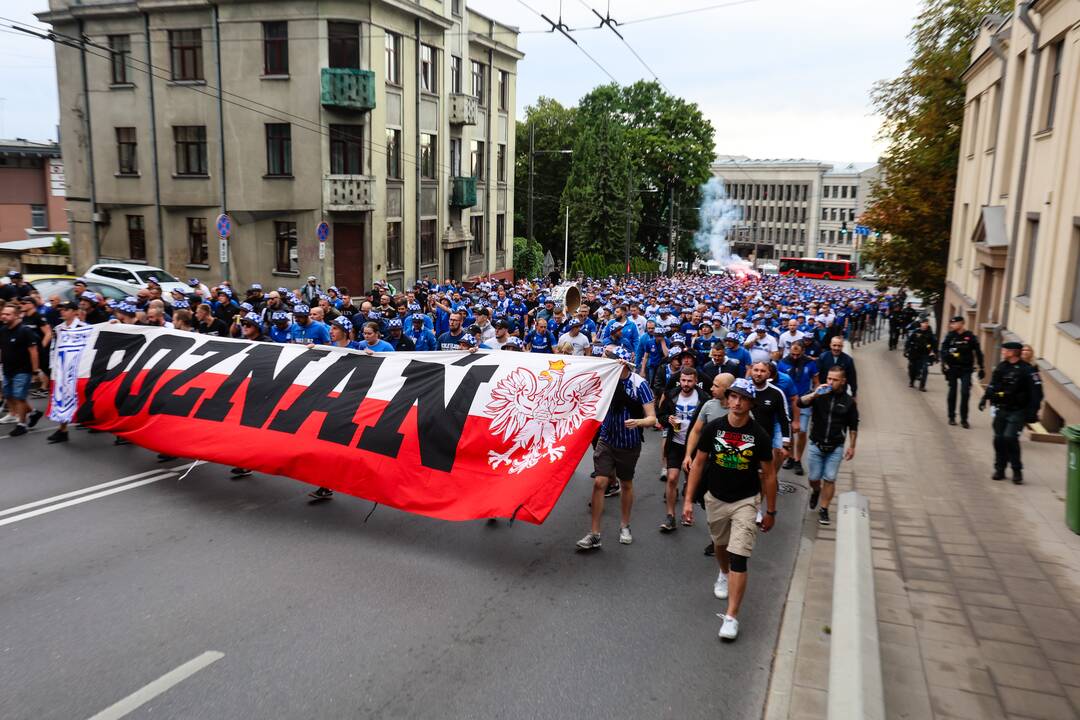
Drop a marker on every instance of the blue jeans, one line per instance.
(17, 386)
(823, 465)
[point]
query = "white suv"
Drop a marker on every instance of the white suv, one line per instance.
(134, 277)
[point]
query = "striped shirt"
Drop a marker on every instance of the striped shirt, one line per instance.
(613, 430)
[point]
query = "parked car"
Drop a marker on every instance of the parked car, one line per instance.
(134, 277)
(64, 286)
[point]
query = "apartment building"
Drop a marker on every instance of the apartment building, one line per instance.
(31, 191)
(1014, 258)
(389, 120)
(794, 207)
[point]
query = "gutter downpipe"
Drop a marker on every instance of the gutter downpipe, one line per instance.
(221, 137)
(1010, 259)
(419, 169)
(89, 147)
(153, 145)
(999, 53)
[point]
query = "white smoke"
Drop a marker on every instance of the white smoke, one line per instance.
(718, 216)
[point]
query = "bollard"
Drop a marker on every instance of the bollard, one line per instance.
(855, 685)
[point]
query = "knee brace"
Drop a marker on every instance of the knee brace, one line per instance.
(737, 562)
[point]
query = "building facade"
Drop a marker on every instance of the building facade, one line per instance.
(1014, 259)
(795, 207)
(389, 120)
(32, 201)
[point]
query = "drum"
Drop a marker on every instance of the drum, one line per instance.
(568, 296)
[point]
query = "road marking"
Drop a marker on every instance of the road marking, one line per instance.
(87, 498)
(148, 692)
(81, 491)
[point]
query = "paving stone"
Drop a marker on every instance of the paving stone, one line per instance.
(978, 573)
(906, 693)
(1032, 592)
(894, 654)
(935, 563)
(943, 632)
(995, 615)
(941, 615)
(960, 655)
(897, 634)
(931, 586)
(918, 573)
(960, 677)
(1015, 653)
(985, 630)
(962, 549)
(1061, 651)
(1036, 705)
(969, 561)
(977, 584)
(1025, 678)
(1051, 623)
(996, 600)
(808, 704)
(1066, 673)
(964, 704)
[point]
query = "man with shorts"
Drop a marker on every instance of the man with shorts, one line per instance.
(21, 363)
(676, 413)
(619, 445)
(735, 461)
(833, 414)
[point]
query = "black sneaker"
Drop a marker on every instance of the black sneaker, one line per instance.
(162, 457)
(799, 468)
(19, 429)
(120, 441)
(57, 437)
(239, 472)
(922, 388)
(999, 474)
(710, 550)
(823, 516)
(1018, 477)
(788, 464)
(321, 494)
(814, 495)
(33, 418)
(965, 424)
(613, 489)
(952, 421)
(669, 524)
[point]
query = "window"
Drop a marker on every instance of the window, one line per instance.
(455, 157)
(500, 163)
(37, 217)
(455, 74)
(427, 242)
(190, 149)
(394, 259)
(136, 237)
(478, 81)
(286, 259)
(455, 7)
(832, 214)
(1053, 83)
(346, 149)
(854, 193)
(279, 149)
(276, 48)
(1029, 256)
(500, 232)
(393, 58)
(198, 252)
(344, 44)
(428, 156)
(824, 213)
(973, 126)
(428, 69)
(186, 50)
(393, 153)
(476, 160)
(119, 56)
(1074, 316)
(126, 150)
(504, 90)
(476, 225)
(843, 191)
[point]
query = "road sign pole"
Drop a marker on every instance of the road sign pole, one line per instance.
(224, 229)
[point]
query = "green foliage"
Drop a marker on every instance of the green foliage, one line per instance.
(60, 246)
(591, 264)
(924, 113)
(643, 265)
(554, 130)
(528, 258)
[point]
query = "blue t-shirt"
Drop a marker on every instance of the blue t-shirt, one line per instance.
(313, 332)
(380, 346)
(425, 340)
(449, 341)
(803, 377)
(281, 336)
(648, 347)
(613, 430)
(540, 342)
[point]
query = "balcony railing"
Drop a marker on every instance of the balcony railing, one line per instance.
(462, 192)
(348, 88)
(463, 109)
(348, 193)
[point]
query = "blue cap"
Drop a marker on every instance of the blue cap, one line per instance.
(181, 304)
(301, 309)
(743, 387)
(256, 286)
(469, 340)
(393, 323)
(252, 318)
(193, 282)
(279, 315)
(621, 353)
(89, 295)
(344, 323)
(513, 341)
(247, 306)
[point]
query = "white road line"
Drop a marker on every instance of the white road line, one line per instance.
(148, 692)
(87, 498)
(81, 491)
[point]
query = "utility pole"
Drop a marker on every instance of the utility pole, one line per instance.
(672, 243)
(629, 198)
(532, 141)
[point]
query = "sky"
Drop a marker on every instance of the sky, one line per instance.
(777, 78)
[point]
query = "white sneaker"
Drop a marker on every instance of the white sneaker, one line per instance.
(719, 588)
(730, 629)
(625, 537)
(9, 419)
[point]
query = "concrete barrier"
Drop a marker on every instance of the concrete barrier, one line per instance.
(855, 685)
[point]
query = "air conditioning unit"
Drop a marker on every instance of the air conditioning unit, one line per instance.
(101, 218)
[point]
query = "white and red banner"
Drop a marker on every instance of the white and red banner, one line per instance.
(453, 435)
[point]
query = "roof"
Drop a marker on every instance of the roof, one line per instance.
(26, 148)
(30, 244)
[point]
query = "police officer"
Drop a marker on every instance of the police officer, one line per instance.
(959, 354)
(920, 350)
(1009, 392)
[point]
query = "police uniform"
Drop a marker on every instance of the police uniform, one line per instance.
(919, 350)
(960, 353)
(1010, 392)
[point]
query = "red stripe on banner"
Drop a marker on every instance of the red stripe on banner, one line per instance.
(471, 490)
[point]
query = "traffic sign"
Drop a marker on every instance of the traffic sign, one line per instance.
(223, 249)
(322, 250)
(224, 225)
(322, 231)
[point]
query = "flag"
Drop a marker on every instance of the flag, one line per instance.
(451, 435)
(67, 348)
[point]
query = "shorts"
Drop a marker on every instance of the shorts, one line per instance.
(777, 438)
(613, 462)
(823, 465)
(674, 453)
(733, 524)
(804, 419)
(17, 386)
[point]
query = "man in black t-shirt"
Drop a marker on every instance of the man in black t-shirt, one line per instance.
(207, 324)
(21, 362)
(732, 451)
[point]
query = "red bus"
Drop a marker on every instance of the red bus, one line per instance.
(818, 269)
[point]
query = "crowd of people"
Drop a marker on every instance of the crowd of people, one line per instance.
(741, 376)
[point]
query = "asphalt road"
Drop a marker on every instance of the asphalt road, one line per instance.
(318, 614)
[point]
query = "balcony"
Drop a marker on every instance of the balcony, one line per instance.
(348, 89)
(348, 193)
(462, 192)
(463, 109)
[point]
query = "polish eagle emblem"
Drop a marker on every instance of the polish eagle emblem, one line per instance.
(535, 412)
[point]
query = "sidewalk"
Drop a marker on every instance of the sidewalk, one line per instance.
(977, 582)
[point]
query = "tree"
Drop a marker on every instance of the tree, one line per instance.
(528, 258)
(924, 113)
(555, 130)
